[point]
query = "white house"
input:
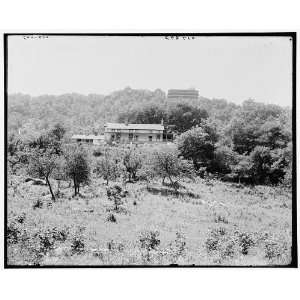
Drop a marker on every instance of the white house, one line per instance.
(134, 133)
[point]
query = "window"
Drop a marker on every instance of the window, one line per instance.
(130, 136)
(112, 137)
(150, 138)
(158, 137)
(136, 137)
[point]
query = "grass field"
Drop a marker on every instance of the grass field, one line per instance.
(208, 222)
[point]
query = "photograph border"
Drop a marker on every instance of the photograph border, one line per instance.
(294, 250)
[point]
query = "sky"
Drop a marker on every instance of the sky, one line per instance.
(232, 68)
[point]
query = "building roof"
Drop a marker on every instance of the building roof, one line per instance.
(134, 126)
(87, 137)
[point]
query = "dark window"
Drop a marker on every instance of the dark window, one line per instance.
(158, 137)
(130, 136)
(150, 138)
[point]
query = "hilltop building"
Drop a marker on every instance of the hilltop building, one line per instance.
(183, 94)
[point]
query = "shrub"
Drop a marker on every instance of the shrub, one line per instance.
(77, 244)
(115, 194)
(38, 204)
(178, 247)
(149, 241)
(111, 218)
(245, 242)
(220, 244)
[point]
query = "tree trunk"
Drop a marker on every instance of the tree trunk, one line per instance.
(49, 185)
(75, 186)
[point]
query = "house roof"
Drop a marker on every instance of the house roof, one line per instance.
(134, 126)
(87, 137)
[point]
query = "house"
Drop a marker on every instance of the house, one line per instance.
(134, 133)
(89, 139)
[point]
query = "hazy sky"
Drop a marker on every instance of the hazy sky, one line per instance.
(234, 68)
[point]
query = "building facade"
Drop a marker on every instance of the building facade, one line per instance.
(88, 139)
(133, 133)
(183, 94)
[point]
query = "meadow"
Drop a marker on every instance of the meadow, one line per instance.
(206, 222)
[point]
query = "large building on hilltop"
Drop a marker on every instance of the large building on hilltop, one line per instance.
(183, 94)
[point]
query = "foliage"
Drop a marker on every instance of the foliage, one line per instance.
(167, 163)
(115, 194)
(197, 145)
(42, 164)
(109, 165)
(77, 166)
(184, 116)
(132, 161)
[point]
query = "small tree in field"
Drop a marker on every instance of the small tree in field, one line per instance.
(108, 166)
(42, 164)
(77, 167)
(132, 162)
(168, 164)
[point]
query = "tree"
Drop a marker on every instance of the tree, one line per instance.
(167, 164)
(261, 159)
(17, 152)
(184, 116)
(198, 146)
(42, 164)
(132, 161)
(109, 166)
(243, 168)
(224, 159)
(77, 166)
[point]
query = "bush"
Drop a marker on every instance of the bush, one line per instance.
(77, 245)
(149, 241)
(115, 194)
(197, 145)
(111, 218)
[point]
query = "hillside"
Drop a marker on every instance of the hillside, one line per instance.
(86, 114)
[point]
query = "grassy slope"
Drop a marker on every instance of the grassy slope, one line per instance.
(264, 213)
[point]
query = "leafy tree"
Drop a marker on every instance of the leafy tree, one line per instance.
(261, 159)
(109, 165)
(77, 166)
(42, 164)
(243, 168)
(167, 164)
(148, 114)
(17, 152)
(224, 159)
(198, 146)
(132, 161)
(184, 116)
